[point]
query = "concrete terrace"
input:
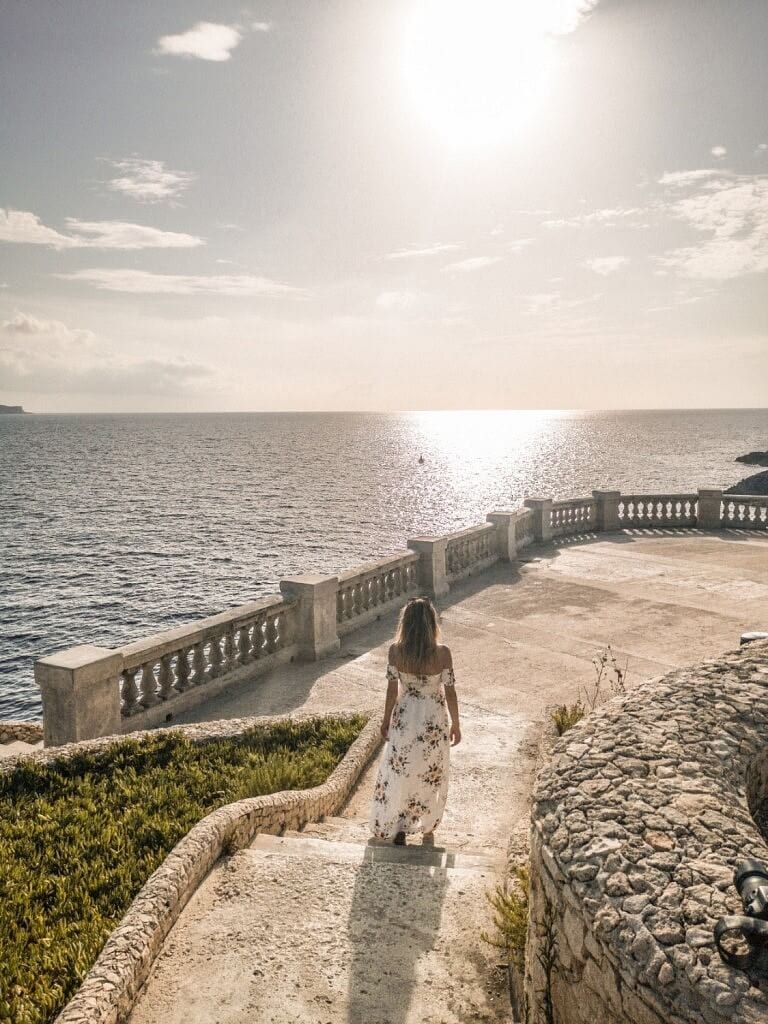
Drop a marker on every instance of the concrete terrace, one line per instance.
(325, 926)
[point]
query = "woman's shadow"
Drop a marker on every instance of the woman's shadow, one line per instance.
(394, 920)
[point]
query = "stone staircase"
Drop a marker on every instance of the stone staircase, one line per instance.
(328, 926)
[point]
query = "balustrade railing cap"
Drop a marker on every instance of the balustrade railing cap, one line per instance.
(537, 502)
(710, 491)
(79, 664)
(307, 580)
(600, 493)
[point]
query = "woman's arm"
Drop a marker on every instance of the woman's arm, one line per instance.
(451, 700)
(393, 690)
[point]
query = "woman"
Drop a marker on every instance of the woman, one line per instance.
(412, 783)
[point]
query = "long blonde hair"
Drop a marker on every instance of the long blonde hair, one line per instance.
(418, 632)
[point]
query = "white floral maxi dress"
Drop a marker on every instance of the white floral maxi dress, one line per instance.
(412, 784)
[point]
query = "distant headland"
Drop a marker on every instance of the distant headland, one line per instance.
(758, 482)
(11, 408)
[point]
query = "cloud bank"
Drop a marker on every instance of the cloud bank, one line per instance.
(142, 282)
(26, 228)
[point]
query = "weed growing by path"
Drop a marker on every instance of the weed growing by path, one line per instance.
(78, 839)
(610, 681)
(510, 917)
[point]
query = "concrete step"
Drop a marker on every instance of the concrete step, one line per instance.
(374, 852)
(18, 747)
(339, 829)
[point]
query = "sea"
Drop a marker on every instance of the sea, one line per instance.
(113, 527)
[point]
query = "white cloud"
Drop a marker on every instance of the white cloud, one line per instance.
(148, 181)
(432, 250)
(518, 244)
(23, 325)
(604, 218)
(719, 152)
(472, 264)
(731, 210)
(206, 40)
(398, 300)
(682, 179)
(47, 356)
(541, 302)
(762, 149)
(261, 26)
(142, 282)
(23, 227)
(564, 16)
(606, 264)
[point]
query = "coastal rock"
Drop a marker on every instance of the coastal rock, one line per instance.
(755, 484)
(754, 458)
(11, 409)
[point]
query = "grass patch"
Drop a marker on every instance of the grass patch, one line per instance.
(565, 716)
(80, 837)
(510, 917)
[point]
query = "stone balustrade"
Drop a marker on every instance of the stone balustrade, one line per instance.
(367, 591)
(642, 510)
(470, 551)
(92, 691)
(745, 512)
(576, 515)
(164, 667)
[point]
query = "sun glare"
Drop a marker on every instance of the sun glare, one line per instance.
(477, 70)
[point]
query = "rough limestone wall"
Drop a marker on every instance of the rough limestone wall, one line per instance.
(637, 823)
(27, 732)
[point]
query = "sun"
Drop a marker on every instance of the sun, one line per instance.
(476, 71)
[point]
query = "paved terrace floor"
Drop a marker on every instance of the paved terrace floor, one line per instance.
(324, 926)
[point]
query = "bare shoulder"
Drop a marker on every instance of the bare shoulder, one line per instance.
(446, 658)
(394, 655)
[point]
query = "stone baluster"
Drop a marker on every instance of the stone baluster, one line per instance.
(148, 697)
(130, 692)
(198, 663)
(165, 677)
(272, 633)
(243, 645)
(259, 642)
(182, 671)
(215, 670)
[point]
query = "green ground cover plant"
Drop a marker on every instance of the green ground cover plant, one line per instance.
(78, 839)
(510, 916)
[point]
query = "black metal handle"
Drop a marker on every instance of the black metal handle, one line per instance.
(752, 929)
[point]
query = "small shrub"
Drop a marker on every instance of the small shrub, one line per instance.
(565, 716)
(510, 917)
(79, 837)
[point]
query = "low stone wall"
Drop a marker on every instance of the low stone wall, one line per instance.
(638, 821)
(26, 732)
(111, 986)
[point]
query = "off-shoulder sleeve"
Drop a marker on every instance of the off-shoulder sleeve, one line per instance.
(392, 674)
(447, 678)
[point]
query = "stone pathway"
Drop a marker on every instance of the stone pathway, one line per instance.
(325, 927)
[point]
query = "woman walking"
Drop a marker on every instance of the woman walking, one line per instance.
(412, 784)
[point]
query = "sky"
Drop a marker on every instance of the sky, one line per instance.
(403, 204)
